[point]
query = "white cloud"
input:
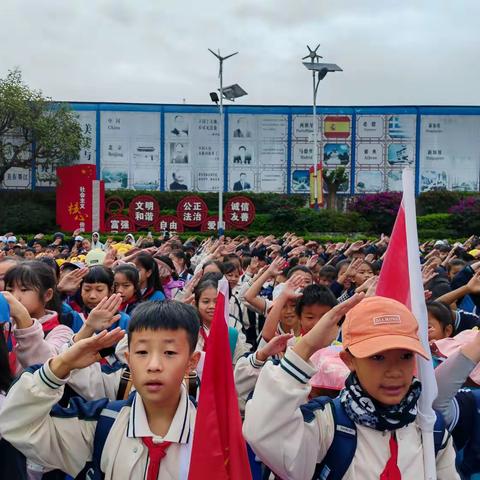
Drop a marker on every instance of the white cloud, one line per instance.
(395, 52)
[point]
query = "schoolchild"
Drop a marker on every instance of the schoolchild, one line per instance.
(147, 436)
(150, 285)
(379, 403)
(126, 282)
(37, 332)
(97, 285)
(205, 301)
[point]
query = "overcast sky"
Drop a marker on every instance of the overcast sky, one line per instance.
(393, 52)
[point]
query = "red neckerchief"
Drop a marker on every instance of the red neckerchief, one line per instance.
(147, 294)
(156, 452)
(75, 306)
(47, 327)
(124, 305)
(391, 471)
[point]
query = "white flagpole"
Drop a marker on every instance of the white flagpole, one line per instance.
(426, 414)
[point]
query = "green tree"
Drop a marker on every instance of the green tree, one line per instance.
(35, 129)
(333, 180)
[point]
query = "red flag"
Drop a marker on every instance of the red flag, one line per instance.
(219, 450)
(401, 279)
(394, 281)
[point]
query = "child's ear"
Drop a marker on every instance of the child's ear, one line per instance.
(127, 357)
(448, 330)
(193, 361)
(348, 360)
(48, 295)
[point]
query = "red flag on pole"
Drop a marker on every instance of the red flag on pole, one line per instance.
(401, 279)
(219, 450)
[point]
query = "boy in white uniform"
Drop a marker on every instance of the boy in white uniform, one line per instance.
(152, 432)
(379, 341)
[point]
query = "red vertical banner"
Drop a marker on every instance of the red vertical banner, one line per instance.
(80, 198)
(319, 185)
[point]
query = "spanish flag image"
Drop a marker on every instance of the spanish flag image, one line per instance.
(336, 126)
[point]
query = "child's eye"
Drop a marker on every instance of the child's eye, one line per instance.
(141, 352)
(407, 356)
(170, 353)
(377, 358)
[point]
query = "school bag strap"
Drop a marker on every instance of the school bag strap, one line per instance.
(334, 466)
(105, 421)
(440, 433)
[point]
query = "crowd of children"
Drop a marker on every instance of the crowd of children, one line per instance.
(104, 343)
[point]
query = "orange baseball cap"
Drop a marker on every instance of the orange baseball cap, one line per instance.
(377, 324)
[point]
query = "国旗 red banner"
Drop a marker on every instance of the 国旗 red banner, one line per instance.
(80, 199)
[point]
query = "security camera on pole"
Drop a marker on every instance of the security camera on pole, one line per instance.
(228, 93)
(319, 72)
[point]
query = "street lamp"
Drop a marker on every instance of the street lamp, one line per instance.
(228, 93)
(319, 72)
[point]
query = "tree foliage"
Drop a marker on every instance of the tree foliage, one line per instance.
(34, 129)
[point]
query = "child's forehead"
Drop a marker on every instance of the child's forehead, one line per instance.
(159, 336)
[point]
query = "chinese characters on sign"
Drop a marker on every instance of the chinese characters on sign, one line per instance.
(239, 212)
(119, 223)
(192, 211)
(79, 198)
(170, 223)
(144, 210)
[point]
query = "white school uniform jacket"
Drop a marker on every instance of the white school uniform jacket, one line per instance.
(291, 444)
(63, 438)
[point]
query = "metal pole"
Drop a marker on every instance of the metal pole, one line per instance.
(220, 226)
(315, 143)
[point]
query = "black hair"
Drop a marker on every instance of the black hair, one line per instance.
(52, 264)
(132, 275)
(315, 295)
(231, 257)
(329, 272)
(293, 262)
(37, 276)
(213, 262)
(246, 261)
(150, 265)
(180, 254)
(99, 274)
(442, 313)
(299, 268)
(340, 264)
(6, 376)
(209, 280)
(229, 267)
(166, 315)
(456, 262)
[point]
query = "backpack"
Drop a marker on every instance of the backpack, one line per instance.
(92, 470)
(470, 463)
(334, 466)
(105, 421)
